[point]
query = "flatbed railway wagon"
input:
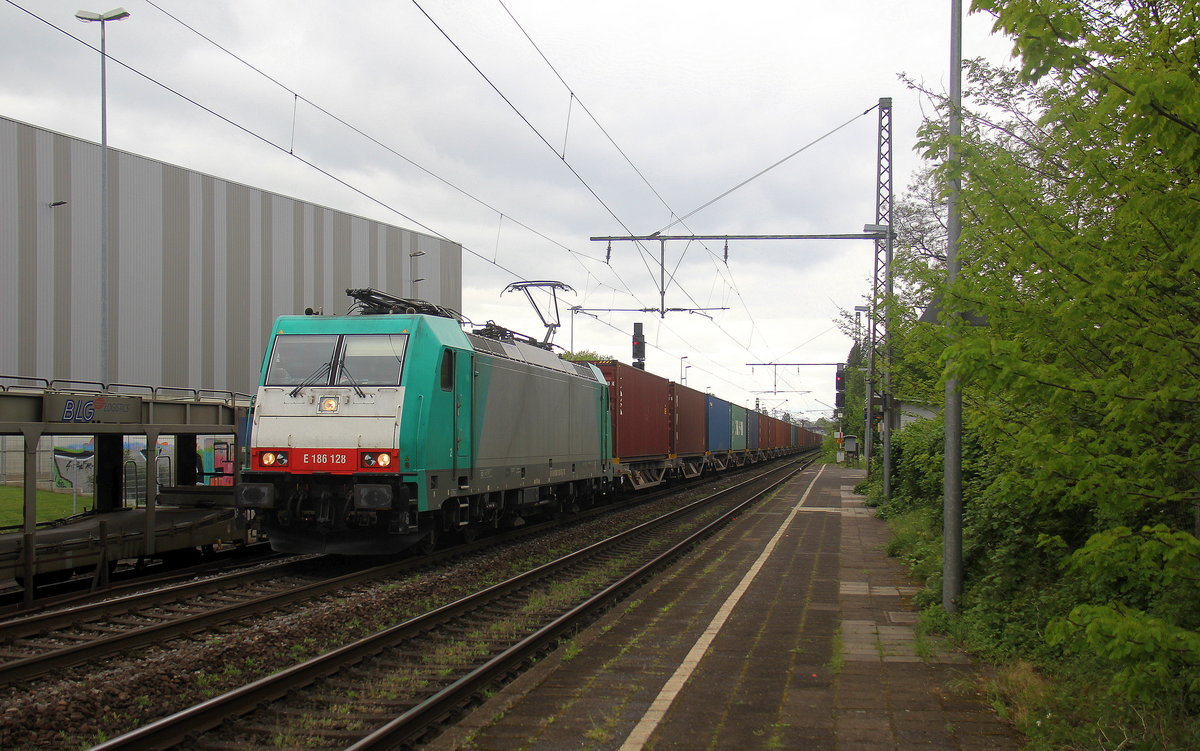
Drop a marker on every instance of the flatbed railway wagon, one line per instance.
(640, 403)
(664, 430)
(689, 440)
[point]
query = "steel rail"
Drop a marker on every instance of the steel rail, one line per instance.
(36, 665)
(186, 724)
(413, 723)
(82, 613)
(75, 596)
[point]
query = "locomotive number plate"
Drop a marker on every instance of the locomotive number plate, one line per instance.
(325, 460)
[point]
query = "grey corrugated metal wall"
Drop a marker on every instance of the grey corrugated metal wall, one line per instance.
(199, 267)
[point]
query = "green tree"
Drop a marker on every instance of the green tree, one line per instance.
(1080, 251)
(582, 355)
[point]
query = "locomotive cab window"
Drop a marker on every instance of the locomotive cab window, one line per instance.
(301, 359)
(371, 359)
(447, 370)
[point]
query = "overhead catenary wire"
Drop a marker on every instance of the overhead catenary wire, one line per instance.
(759, 174)
(263, 139)
(582, 106)
(355, 129)
(547, 143)
(643, 253)
(501, 214)
(290, 149)
(642, 250)
(519, 114)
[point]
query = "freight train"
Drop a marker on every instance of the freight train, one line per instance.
(392, 427)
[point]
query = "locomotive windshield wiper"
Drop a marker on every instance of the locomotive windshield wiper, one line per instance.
(353, 382)
(312, 378)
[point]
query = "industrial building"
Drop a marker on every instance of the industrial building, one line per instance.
(198, 267)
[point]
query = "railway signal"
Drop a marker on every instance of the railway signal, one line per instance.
(639, 347)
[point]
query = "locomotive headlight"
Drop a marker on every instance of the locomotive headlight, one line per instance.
(376, 459)
(273, 459)
(328, 404)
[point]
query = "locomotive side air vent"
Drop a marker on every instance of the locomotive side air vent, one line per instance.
(485, 345)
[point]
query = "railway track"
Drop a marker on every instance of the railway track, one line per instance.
(37, 644)
(41, 643)
(391, 688)
(86, 588)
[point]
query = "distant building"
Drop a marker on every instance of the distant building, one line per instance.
(199, 267)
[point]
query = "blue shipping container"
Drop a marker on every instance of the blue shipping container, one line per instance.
(752, 429)
(718, 423)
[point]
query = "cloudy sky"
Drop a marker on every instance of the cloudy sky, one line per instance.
(521, 128)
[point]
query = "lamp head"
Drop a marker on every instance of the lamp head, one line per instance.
(116, 14)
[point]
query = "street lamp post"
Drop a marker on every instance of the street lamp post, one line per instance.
(681, 368)
(116, 14)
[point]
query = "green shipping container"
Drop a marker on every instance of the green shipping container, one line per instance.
(737, 427)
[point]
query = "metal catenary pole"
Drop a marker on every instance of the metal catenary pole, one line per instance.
(883, 258)
(952, 563)
(883, 235)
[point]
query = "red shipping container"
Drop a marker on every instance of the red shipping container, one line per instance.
(641, 411)
(766, 432)
(688, 421)
(781, 434)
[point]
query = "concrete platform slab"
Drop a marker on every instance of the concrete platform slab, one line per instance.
(789, 629)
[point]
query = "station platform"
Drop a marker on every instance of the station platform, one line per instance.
(790, 629)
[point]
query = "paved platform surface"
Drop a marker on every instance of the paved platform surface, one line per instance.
(791, 629)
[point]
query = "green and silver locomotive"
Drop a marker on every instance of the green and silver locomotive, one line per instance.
(391, 427)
